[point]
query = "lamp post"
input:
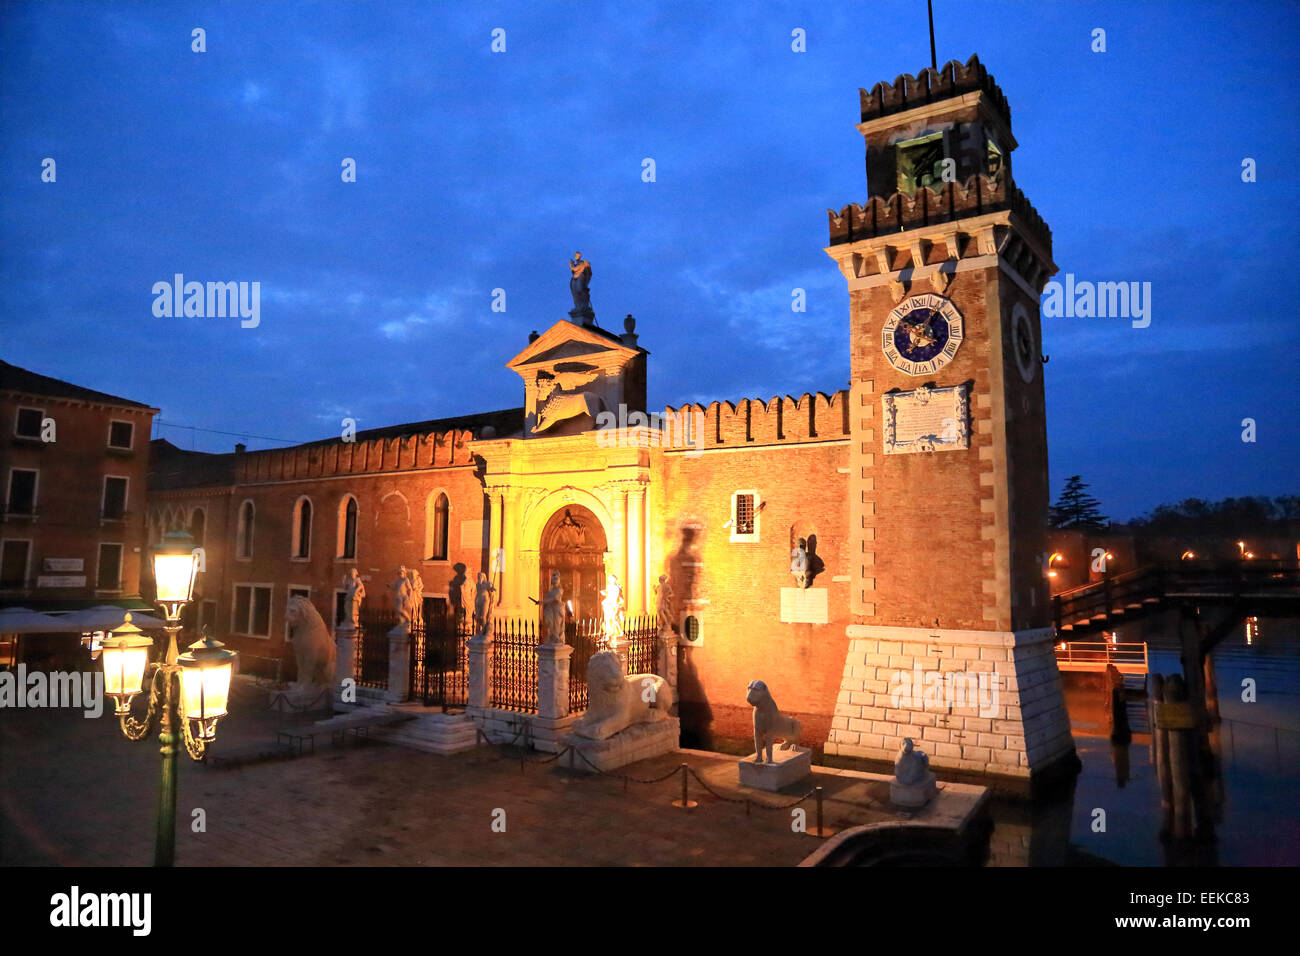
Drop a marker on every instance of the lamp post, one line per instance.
(190, 688)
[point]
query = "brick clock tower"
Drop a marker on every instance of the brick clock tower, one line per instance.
(952, 643)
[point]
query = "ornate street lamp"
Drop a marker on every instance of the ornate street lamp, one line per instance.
(191, 688)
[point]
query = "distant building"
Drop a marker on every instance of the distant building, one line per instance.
(74, 463)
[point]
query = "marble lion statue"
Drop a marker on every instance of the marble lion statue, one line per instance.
(769, 722)
(616, 702)
(313, 644)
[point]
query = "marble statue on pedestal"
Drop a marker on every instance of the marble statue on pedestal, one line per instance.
(579, 283)
(666, 606)
(616, 702)
(415, 596)
(913, 784)
(553, 612)
(799, 563)
(402, 593)
(611, 607)
(355, 590)
(483, 600)
(769, 722)
(313, 644)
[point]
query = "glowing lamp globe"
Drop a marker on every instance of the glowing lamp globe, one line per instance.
(125, 653)
(174, 567)
(206, 669)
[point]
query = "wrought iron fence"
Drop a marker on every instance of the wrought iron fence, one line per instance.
(440, 661)
(637, 642)
(513, 684)
(372, 649)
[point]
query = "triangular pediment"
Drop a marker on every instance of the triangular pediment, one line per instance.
(565, 340)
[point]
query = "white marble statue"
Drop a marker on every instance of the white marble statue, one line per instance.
(416, 596)
(769, 722)
(402, 589)
(611, 607)
(616, 702)
(355, 590)
(799, 563)
(313, 644)
(913, 784)
(553, 612)
(483, 601)
(912, 766)
(666, 607)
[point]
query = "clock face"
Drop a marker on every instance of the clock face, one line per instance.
(922, 334)
(1022, 338)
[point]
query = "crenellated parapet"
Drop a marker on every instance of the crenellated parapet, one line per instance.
(754, 421)
(979, 194)
(329, 459)
(952, 79)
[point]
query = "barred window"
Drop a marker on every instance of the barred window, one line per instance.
(744, 514)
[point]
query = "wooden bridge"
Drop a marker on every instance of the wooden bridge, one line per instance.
(1243, 588)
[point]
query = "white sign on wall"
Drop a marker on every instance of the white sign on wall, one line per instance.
(926, 419)
(64, 564)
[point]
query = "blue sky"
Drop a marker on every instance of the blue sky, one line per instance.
(481, 170)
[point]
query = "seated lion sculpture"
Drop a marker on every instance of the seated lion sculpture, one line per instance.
(616, 702)
(313, 644)
(769, 722)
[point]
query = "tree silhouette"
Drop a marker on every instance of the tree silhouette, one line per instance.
(1076, 508)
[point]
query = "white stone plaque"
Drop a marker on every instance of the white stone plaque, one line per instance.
(61, 581)
(64, 564)
(804, 606)
(926, 419)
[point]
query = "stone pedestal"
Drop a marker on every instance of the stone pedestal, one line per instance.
(668, 641)
(912, 795)
(553, 680)
(345, 661)
(638, 742)
(788, 767)
(399, 664)
(479, 652)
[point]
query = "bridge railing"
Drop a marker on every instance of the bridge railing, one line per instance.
(1096, 655)
(1154, 583)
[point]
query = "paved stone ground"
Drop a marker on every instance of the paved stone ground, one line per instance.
(73, 791)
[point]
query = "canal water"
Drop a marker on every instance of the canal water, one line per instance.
(1111, 814)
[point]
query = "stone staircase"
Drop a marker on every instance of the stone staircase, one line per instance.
(429, 730)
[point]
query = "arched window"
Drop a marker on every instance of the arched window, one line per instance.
(302, 528)
(437, 519)
(347, 533)
(244, 535)
(198, 524)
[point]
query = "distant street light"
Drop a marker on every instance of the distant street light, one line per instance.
(190, 687)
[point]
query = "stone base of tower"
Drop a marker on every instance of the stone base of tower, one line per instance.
(986, 702)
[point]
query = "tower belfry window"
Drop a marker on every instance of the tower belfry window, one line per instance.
(920, 163)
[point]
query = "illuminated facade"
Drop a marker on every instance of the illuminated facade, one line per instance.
(825, 544)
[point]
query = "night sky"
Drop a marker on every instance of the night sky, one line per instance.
(479, 171)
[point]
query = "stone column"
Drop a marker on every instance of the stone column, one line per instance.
(399, 663)
(668, 642)
(513, 597)
(479, 648)
(553, 680)
(345, 661)
(636, 557)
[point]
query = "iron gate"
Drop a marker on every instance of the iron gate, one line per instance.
(440, 661)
